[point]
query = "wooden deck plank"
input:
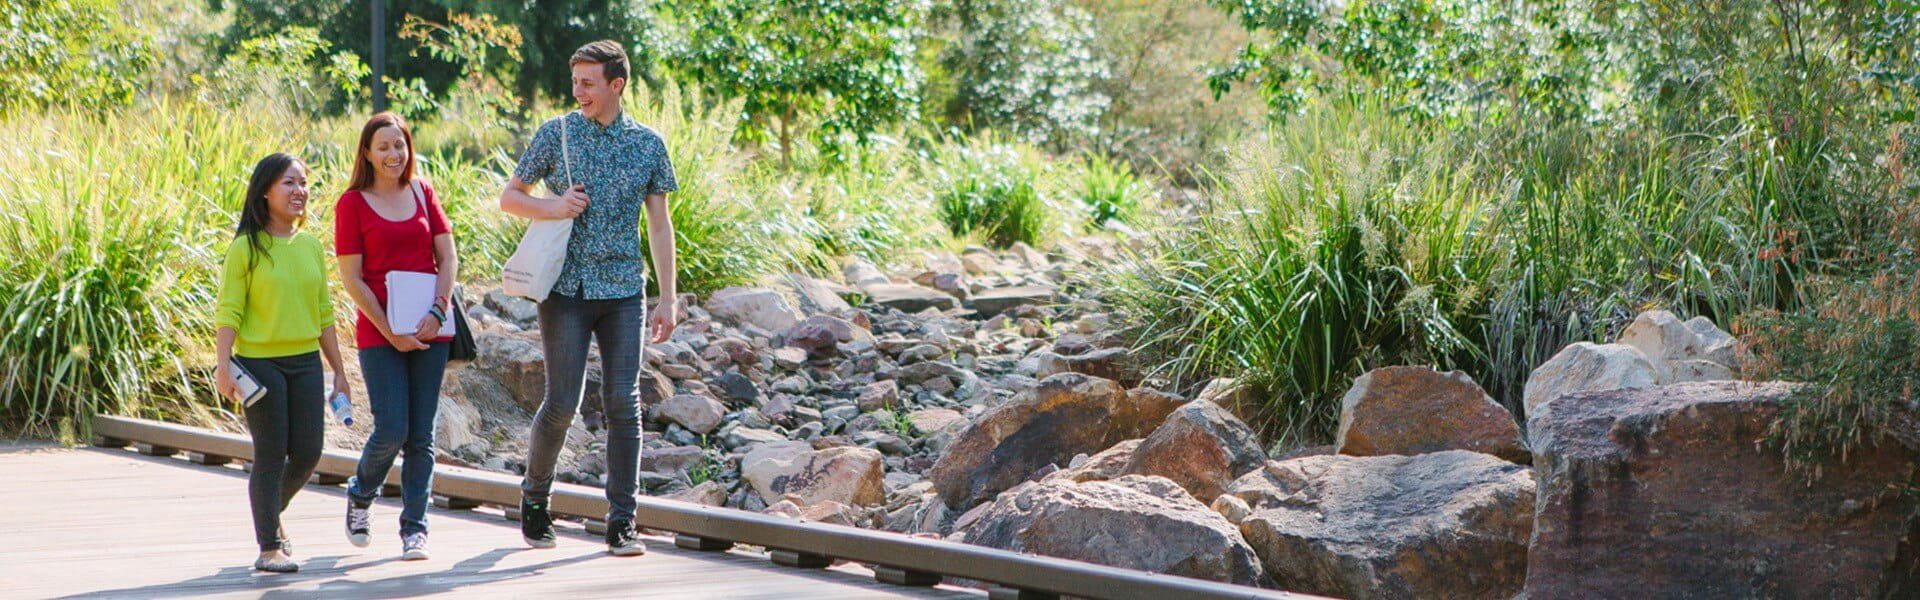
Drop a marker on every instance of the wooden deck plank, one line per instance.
(111, 523)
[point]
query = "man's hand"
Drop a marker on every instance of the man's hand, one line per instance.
(663, 319)
(572, 203)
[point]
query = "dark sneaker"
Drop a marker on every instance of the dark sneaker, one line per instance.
(357, 519)
(536, 524)
(622, 540)
(414, 546)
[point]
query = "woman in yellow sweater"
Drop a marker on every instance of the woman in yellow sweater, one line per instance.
(275, 318)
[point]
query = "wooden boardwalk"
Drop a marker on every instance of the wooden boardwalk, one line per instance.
(104, 523)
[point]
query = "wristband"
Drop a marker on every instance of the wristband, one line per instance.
(437, 315)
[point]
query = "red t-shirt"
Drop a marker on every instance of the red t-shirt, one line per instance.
(383, 245)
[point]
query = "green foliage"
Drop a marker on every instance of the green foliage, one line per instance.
(286, 65)
(1434, 58)
(69, 53)
(990, 188)
(845, 65)
(1111, 191)
(482, 101)
(1026, 67)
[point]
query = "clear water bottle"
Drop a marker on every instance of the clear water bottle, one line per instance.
(341, 406)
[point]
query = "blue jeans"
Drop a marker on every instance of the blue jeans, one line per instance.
(403, 388)
(567, 325)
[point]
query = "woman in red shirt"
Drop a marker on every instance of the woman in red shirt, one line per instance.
(389, 221)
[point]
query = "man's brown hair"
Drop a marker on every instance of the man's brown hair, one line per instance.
(606, 53)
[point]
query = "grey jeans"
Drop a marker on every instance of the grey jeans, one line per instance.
(567, 325)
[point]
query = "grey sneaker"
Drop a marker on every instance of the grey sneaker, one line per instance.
(357, 519)
(415, 545)
(283, 565)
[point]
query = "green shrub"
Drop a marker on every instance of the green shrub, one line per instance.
(1110, 190)
(991, 189)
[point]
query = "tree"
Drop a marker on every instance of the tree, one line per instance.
(845, 65)
(75, 52)
(1026, 65)
(550, 30)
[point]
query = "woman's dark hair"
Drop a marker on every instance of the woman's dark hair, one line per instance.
(363, 164)
(254, 212)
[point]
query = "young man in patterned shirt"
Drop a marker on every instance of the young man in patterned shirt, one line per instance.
(613, 167)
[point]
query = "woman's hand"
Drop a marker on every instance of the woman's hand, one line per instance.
(428, 329)
(223, 382)
(404, 342)
(340, 384)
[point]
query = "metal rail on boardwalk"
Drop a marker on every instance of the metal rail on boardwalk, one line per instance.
(897, 559)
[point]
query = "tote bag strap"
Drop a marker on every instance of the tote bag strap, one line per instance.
(565, 157)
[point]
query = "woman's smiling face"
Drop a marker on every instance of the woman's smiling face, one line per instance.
(389, 153)
(287, 199)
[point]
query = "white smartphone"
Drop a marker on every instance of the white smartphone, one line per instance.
(246, 387)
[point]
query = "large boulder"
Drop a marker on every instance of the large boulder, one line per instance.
(1671, 492)
(1200, 446)
(1681, 351)
(1587, 367)
(1064, 415)
(517, 363)
(1134, 522)
(1416, 410)
(759, 307)
(1450, 524)
(848, 475)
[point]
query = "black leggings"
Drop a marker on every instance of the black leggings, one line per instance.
(289, 429)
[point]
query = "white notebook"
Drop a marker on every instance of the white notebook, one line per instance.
(409, 295)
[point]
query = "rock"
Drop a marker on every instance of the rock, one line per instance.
(517, 362)
(789, 357)
(672, 460)
(817, 296)
(921, 353)
(708, 493)
(996, 301)
(980, 263)
(1200, 446)
(677, 371)
(1111, 523)
(1669, 492)
(458, 424)
(520, 311)
(1066, 414)
(921, 372)
(934, 420)
(1108, 464)
(760, 307)
(1450, 524)
(908, 298)
(1033, 259)
(698, 413)
(820, 335)
(849, 475)
(879, 395)
(1232, 508)
(861, 274)
(1585, 367)
(1416, 410)
(1693, 350)
(1117, 364)
(737, 387)
(742, 438)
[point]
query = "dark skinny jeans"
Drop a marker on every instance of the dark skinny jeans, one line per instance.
(403, 389)
(567, 325)
(289, 428)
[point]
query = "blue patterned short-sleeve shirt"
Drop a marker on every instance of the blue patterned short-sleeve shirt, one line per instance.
(620, 164)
